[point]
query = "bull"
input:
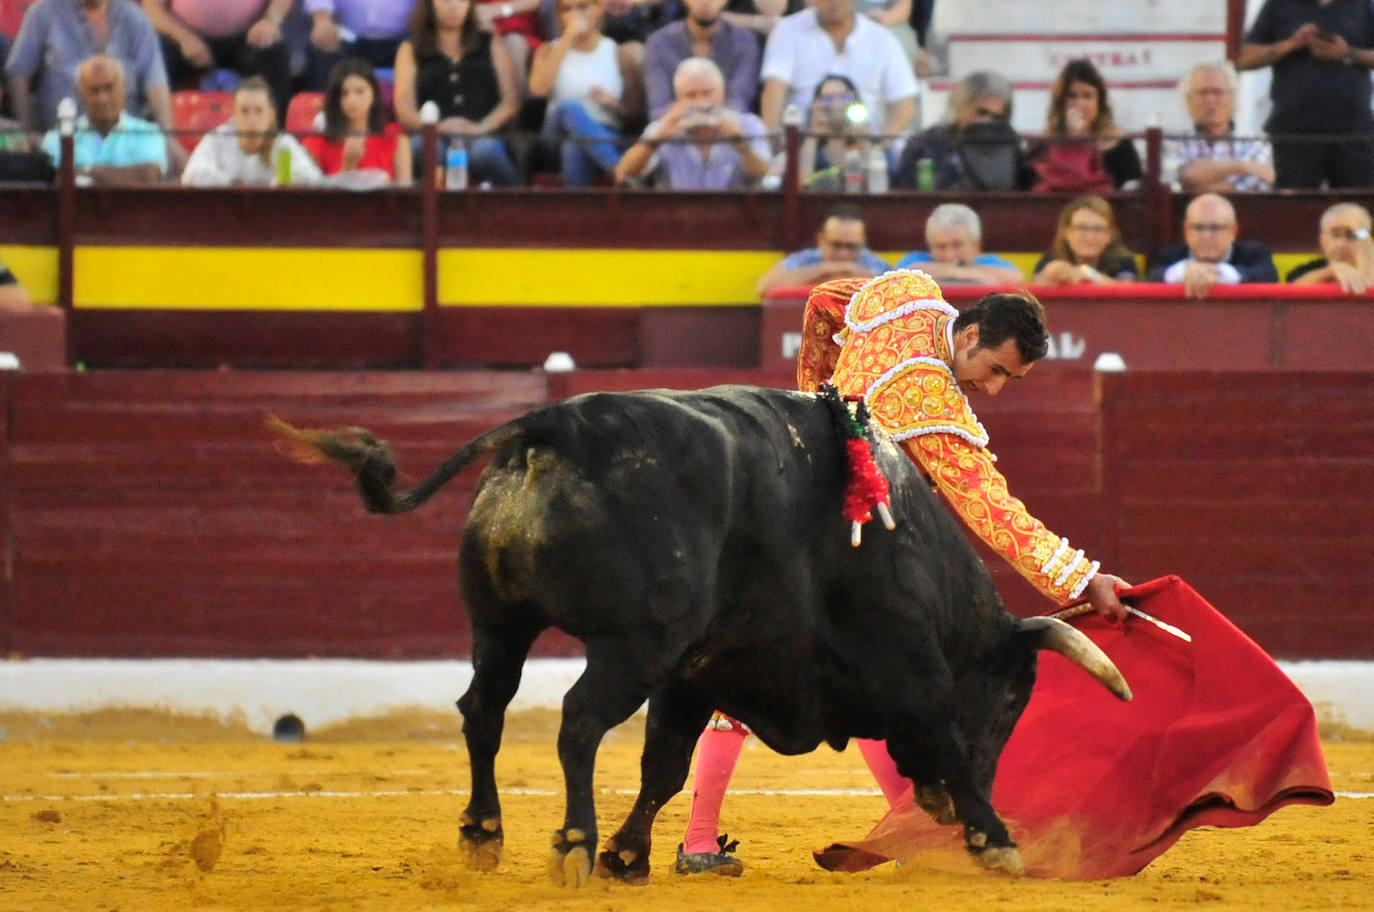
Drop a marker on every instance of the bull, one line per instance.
(695, 543)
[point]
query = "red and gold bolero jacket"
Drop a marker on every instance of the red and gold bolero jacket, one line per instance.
(890, 340)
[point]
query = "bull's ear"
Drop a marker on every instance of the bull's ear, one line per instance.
(1074, 645)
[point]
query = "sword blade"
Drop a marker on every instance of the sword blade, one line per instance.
(1167, 628)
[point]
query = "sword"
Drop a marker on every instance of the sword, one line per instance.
(1167, 628)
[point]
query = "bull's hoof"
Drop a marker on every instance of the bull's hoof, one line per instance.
(936, 802)
(481, 843)
(625, 865)
(1004, 858)
(570, 862)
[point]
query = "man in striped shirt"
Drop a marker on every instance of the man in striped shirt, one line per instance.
(1215, 160)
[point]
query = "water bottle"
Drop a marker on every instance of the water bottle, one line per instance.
(283, 166)
(925, 174)
(852, 168)
(456, 165)
(877, 170)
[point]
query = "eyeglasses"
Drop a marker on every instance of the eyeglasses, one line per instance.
(1214, 93)
(1340, 234)
(1089, 95)
(838, 97)
(1209, 227)
(1090, 229)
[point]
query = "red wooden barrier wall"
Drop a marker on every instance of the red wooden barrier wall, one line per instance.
(146, 513)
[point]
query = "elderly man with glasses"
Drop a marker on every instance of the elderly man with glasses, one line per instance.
(1211, 254)
(1214, 159)
(1347, 251)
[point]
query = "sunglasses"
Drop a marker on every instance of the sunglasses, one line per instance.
(1209, 227)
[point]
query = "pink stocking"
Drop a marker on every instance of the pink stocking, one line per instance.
(717, 752)
(884, 769)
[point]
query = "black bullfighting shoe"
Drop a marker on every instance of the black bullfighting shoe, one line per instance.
(723, 862)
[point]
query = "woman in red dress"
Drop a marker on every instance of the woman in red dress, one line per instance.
(356, 136)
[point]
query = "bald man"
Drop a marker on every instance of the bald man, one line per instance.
(111, 147)
(1211, 254)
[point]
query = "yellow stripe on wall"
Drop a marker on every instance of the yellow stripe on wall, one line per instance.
(607, 278)
(35, 268)
(237, 278)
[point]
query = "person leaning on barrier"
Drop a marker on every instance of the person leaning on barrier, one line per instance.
(245, 150)
(841, 252)
(110, 146)
(13, 296)
(1347, 251)
(1214, 159)
(699, 143)
(1087, 248)
(954, 234)
(1210, 254)
(974, 147)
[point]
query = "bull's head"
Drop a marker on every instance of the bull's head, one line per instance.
(1074, 645)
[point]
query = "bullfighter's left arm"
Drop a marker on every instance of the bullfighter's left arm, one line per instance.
(964, 473)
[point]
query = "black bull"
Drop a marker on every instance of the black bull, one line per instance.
(695, 543)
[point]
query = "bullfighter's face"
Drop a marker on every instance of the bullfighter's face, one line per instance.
(980, 369)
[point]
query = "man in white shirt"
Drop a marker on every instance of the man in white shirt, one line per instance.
(830, 38)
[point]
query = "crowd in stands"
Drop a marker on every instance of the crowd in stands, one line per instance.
(692, 95)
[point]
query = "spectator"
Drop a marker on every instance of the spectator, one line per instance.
(829, 38)
(837, 119)
(841, 251)
(452, 61)
(245, 150)
(1211, 254)
(954, 235)
(1084, 150)
(895, 16)
(1347, 251)
(702, 33)
(110, 147)
(370, 29)
(1087, 248)
(974, 148)
(518, 24)
(241, 35)
(57, 35)
(1321, 55)
(583, 76)
(760, 16)
(13, 296)
(700, 143)
(1215, 160)
(357, 139)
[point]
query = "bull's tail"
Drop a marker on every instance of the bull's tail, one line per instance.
(374, 465)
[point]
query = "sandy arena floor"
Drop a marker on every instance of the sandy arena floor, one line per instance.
(141, 812)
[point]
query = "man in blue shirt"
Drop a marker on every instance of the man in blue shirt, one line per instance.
(110, 146)
(841, 252)
(954, 234)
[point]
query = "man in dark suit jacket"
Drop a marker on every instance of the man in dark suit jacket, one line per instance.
(1211, 254)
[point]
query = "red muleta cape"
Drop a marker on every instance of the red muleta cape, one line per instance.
(1093, 788)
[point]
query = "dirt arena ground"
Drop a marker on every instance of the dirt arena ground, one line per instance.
(142, 812)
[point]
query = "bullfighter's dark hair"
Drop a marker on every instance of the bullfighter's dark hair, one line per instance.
(1007, 315)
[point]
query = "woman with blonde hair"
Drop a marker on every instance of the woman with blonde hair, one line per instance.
(244, 150)
(1087, 248)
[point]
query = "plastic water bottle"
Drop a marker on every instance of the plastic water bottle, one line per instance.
(456, 165)
(877, 170)
(852, 168)
(283, 177)
(925, 174)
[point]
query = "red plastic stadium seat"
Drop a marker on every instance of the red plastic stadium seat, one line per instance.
(194, 113)
(300, 113)
(12, 14)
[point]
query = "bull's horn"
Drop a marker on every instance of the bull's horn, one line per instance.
(1074, 645)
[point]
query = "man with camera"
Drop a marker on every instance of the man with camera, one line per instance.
(699, 143)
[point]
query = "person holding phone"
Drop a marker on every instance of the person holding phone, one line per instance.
(1321, 122)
